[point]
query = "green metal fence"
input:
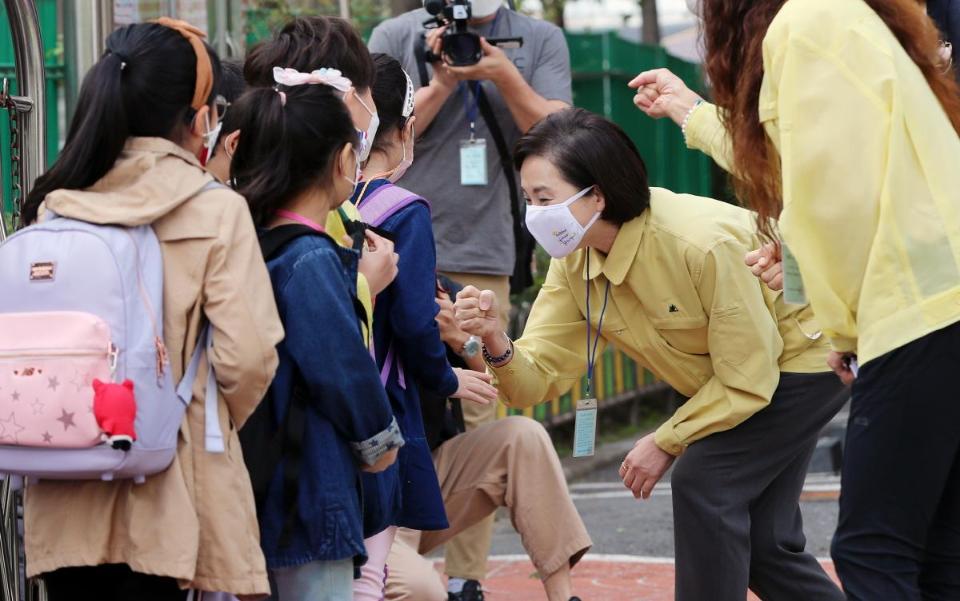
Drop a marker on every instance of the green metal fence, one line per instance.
(47, 11)
(602, 64)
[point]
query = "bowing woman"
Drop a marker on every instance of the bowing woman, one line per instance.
(661, 276)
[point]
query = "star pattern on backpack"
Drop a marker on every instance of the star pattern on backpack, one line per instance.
(80, 380)
(37, 407)
(66, 418)
(10, 429)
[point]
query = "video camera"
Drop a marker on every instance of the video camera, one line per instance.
(459, 46)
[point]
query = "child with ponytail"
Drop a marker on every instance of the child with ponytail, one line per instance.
(146, 112)
(297, 160)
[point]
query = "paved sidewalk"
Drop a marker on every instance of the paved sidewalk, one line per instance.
(597, 578)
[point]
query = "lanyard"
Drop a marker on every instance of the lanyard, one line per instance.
(469, 109)
(593, 342)
(472, 110)
(310, 223)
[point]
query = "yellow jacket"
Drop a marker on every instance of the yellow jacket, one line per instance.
(337, 230)
(871, 175)
(683, 305)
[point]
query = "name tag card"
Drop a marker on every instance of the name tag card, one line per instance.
(585, 428)
(473, 162)
(793, 291)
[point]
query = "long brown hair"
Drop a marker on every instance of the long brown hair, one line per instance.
(734, 32)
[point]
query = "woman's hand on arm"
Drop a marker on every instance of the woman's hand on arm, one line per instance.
(766, 263)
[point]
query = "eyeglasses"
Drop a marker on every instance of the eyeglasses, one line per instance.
(221, 105)
(946, 56)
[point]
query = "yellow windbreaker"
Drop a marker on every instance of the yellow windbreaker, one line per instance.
(682, 304)
(871, 175)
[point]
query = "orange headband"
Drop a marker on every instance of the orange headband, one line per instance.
(204, 84)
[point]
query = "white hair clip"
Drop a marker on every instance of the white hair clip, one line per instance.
(408, 103)
(328, 77)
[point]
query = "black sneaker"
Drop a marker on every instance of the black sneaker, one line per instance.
(471, 592)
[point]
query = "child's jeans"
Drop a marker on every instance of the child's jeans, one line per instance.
(314, 581)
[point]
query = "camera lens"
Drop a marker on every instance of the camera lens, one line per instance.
(462, 48)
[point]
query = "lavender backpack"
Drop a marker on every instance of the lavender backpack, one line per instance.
(382, 204)
(83, 302)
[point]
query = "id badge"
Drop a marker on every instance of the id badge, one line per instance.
(585, 428)
(473, 162)
(793, 291)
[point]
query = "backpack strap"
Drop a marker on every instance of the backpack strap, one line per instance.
(273, 240)
(386, 201)
(213, 436)
(388, 363)
(383, 203)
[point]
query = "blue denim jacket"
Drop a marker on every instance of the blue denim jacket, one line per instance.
(349, 419)
(408, 494)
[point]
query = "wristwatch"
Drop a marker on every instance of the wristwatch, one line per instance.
(471, 347)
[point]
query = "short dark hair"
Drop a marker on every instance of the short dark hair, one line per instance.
(232, 87)
(589, 150)
(389, 93)
(309, 43)
(288, 142)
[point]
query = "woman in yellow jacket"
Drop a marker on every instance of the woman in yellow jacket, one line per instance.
(842, 116)
(661, 276)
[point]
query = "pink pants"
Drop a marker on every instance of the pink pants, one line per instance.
(373, 575)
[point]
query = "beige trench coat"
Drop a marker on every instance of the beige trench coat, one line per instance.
(196, 521)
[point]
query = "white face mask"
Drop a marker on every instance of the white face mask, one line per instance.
(696, 7)
(556, 228)
(356, 178)
(368, 136)
(210, 139)
(405, 162)
(484, 8)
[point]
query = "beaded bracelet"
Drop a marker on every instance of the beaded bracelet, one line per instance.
(499, 360)
(686, 119)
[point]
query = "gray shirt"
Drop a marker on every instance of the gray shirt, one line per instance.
(473, 224)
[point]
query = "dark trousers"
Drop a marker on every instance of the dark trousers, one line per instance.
(112, 582)
(898, 536)
(736, 511)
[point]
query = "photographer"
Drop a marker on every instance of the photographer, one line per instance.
(476, 204)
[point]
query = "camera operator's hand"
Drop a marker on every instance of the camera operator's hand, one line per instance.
(495, 66)
(660, 94)
(441, 73)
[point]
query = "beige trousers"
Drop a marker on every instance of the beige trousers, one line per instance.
(510, 463)
(466, 554)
